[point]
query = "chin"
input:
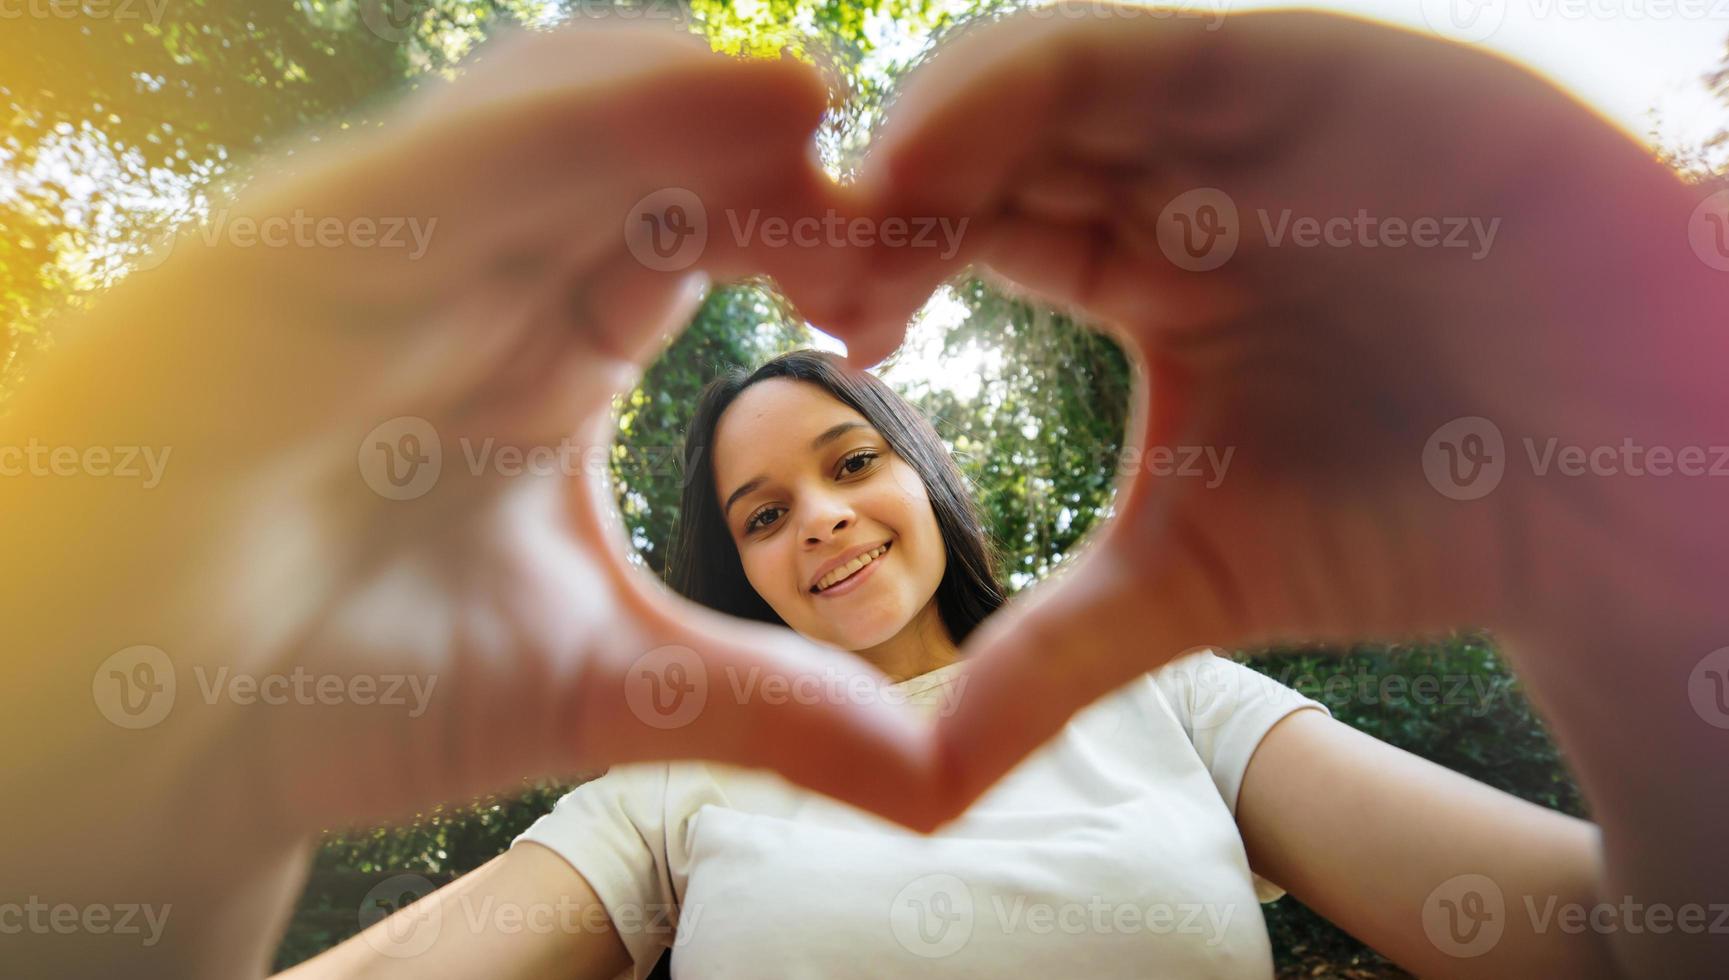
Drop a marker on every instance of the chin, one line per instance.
(865, 638)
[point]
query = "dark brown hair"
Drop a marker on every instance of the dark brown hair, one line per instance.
(704, 564)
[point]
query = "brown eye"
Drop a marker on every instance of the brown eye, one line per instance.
(863, 457)
(756, 519)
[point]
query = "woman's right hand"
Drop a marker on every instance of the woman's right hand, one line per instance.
(1387, 292)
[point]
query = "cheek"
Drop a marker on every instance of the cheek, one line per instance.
(917, 524)
(766, 572)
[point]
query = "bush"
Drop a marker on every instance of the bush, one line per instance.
(1455, 703)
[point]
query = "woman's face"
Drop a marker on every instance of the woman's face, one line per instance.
(807, 487)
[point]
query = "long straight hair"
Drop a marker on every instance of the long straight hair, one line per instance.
(704, 563)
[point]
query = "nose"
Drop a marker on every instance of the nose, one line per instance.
(825, 516)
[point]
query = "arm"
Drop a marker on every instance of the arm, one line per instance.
(525, 914)
(1345, 383)
(1376, 839)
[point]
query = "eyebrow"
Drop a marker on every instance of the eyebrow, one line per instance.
(828, 435)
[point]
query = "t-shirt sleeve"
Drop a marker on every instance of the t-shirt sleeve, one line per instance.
(613, 831)
(1227, 709)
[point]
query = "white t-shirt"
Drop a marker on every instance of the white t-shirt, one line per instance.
(1112, 851)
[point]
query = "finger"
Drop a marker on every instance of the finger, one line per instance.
(506, 169)
(1128, 601)
(1047, 655)
(688, 682)
(944, 155)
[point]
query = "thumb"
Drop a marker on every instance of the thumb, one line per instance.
(1119, 608)
(1045, 656)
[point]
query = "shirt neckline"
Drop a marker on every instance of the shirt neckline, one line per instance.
(930, 680)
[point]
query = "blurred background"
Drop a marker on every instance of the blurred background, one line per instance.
(129, 118)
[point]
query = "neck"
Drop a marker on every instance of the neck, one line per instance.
(922, 646)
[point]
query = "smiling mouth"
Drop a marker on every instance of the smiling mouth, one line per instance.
(850, 569)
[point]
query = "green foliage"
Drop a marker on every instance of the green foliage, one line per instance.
(438, 846)
(1452, 701)
(124, 124)
(736, 327)
(1040, 440)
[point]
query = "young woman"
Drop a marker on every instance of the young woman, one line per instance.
(1139, 842)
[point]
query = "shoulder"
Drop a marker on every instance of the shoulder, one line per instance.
(1207, 691)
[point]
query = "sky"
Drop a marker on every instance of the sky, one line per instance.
(1625, 57)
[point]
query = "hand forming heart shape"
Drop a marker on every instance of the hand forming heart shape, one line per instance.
(1154, 175)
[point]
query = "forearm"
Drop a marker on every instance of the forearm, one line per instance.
(1630, 705)
(1429, 867)
(524, 915)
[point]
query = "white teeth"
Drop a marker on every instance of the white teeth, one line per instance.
(850, 567)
